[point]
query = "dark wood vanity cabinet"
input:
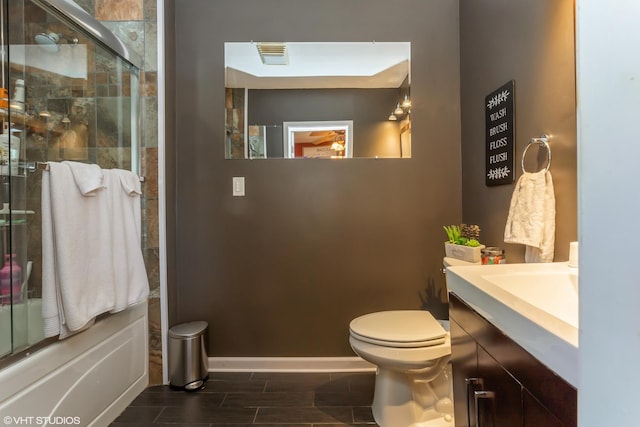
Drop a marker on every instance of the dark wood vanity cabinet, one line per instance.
(536, 415)
(496, 383)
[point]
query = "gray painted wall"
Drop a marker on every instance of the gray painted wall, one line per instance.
(532, 42)
(282, 271)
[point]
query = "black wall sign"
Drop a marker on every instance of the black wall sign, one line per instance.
(499, 132)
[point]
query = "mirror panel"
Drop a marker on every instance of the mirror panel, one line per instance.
(357, 83)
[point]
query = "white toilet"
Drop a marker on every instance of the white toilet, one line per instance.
(411, 350)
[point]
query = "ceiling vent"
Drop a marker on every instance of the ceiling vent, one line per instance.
(273, 53)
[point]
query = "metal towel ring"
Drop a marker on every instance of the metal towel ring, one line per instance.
(543, 140)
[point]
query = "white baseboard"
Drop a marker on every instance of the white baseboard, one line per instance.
(289, 364)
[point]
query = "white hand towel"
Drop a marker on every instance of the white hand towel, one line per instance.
(50, 311)
(130, 182)
(129, 273)
(532, 214)
(88, 177)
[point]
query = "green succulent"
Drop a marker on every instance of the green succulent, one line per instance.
(473, 243)
(454, 234)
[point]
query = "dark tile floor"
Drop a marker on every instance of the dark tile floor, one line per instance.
(265, 399)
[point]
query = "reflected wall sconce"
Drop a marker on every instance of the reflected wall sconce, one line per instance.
(402, 108)
(336, 146)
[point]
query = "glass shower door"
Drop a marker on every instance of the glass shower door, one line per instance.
(65, 97)
(14, 266)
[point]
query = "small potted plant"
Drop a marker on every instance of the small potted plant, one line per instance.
(463, 242)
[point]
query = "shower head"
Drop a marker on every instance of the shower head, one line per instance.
(50, 41)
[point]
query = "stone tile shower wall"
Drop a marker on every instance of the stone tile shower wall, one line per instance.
(134, 22)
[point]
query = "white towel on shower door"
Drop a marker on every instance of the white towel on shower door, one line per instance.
(532, 216)
(77, 279)
(92, 260)
(88, 177)
(129, 274)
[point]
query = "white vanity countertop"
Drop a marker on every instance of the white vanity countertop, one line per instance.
(536, 305)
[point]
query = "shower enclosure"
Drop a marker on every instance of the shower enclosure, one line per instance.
(68, 91)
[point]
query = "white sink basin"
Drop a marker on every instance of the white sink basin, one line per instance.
(554, 292)
(536, 305)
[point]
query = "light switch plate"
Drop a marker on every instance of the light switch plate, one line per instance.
(238, 186)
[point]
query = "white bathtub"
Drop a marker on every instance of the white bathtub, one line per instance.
(90, 377)
(28, 326)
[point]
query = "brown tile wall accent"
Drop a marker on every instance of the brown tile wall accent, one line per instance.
(150, 171)
(155, 342)
(149, 84)
(119, 10)
(134, 21)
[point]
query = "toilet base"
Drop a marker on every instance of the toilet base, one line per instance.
(407, 400)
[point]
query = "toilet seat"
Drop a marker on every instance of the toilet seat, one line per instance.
(398, 329)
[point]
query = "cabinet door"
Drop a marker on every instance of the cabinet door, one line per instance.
(499, 403)
(464, 364)
(536, 415)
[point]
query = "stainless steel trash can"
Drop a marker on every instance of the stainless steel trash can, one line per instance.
(188, 356)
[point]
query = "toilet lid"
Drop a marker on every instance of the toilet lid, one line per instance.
(399, 328)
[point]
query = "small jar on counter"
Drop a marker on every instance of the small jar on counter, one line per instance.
(493, 255)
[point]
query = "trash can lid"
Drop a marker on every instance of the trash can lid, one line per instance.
(188, 330)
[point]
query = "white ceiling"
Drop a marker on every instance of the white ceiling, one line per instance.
(320, 65)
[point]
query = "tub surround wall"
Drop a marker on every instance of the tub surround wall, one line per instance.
(531, 42)
(313, 244)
